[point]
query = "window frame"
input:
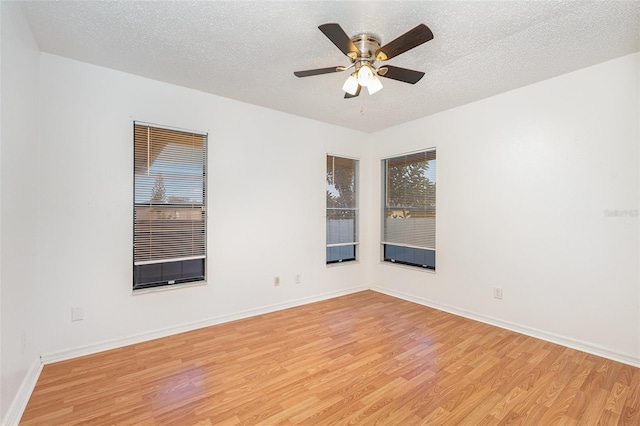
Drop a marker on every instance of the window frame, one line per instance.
(192, 208)
(385, 207)
(356, 209)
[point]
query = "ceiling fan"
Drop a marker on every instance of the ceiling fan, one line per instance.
(364, 50)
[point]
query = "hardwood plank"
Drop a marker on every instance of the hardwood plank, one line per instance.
(365, 358)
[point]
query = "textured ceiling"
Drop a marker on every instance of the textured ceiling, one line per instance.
(248, 50)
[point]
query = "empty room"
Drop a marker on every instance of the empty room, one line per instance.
(320, 212)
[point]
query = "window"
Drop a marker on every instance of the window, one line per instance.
(342, 209)
(409, 216)
(169, 214)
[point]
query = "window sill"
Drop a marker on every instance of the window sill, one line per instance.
(338, 264)
(169, 287)
(411, 268)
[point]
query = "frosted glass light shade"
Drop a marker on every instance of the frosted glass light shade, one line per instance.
(351, 85)
(374, 85)
(365, 75)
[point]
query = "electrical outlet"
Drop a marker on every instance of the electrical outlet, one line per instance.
(497, 292)
(77, 314)
(276, 281)
(23, 338)
(298, 278)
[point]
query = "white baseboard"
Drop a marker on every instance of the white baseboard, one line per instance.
(539, 334)
(169, 331)
(16, 409)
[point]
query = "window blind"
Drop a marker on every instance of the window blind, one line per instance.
(170, 200)
(342, 209)
(409, 217)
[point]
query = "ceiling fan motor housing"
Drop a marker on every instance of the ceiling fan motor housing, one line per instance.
(367, 44)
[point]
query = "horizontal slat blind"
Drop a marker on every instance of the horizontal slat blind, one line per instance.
(342, 207)
(170, 196)
(410, 200)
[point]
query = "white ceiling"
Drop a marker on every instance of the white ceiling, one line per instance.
(248, 50)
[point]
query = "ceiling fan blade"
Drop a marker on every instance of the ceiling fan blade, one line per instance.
(336, 34)
(401, 74)
(349, 95)
(407, 41)
(318, 71)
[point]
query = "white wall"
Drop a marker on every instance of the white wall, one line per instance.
(18, 198)
(525, 180)
(266, 207)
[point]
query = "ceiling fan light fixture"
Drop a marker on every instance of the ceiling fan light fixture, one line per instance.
(365, 75)
(375, 85)
(351, 85)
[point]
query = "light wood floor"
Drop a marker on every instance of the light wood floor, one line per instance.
(366, 358)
